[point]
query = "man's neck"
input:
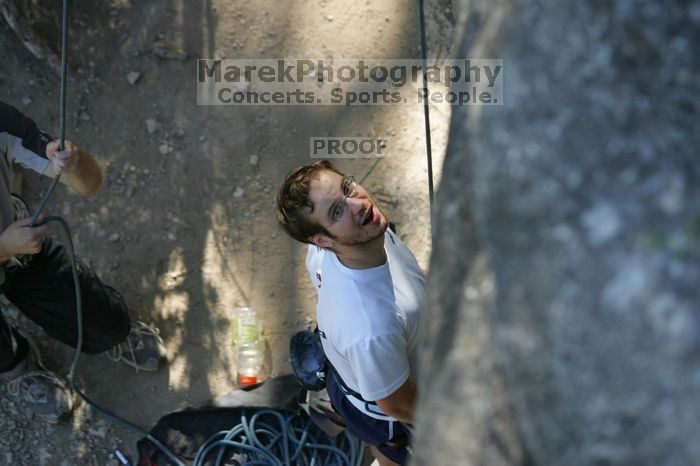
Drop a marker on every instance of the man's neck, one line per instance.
(362, 256)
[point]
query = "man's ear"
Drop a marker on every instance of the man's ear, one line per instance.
(321, 240)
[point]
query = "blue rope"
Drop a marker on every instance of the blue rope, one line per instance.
(274, 438)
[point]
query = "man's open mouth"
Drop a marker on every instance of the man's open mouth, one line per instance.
(368, 217)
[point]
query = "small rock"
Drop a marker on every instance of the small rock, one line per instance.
(151, 126)
(84, 115)
(26, 100)
(133, 77)
(329, 18)
(164, 149)
(180, 133)
(238, 193)
(202, 138)
(167, 50)
(254, 160)
(131, 186)
(113, 238)
(99, 428)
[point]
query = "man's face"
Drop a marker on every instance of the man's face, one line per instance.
(358, 223)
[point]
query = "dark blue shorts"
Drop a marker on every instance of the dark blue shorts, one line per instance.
(368, 429)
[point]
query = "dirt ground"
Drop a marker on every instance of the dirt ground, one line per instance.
(184, 225)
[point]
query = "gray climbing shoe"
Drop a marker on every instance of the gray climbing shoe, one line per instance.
(46, 394)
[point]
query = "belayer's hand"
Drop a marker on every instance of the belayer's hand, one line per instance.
(65, 160)
(20, 238)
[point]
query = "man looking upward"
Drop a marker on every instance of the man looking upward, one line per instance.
(370, 292)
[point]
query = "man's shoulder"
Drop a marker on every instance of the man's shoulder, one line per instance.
(392, 241)
(313, 252)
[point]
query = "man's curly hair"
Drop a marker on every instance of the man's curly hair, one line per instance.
(294, 205)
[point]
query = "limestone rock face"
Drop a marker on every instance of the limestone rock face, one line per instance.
(563, 318)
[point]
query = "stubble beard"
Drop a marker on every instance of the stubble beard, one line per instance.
(366, 241)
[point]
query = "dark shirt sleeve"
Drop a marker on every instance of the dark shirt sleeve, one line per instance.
(20, 139)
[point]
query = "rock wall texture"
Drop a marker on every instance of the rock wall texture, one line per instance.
(38, 25)
(563, 320)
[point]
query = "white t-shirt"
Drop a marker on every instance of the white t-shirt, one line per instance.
(369, 317)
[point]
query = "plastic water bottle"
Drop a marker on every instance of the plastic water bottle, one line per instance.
(246, 329)
(249, 363)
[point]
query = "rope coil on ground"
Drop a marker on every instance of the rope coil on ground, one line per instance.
(274, 438)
